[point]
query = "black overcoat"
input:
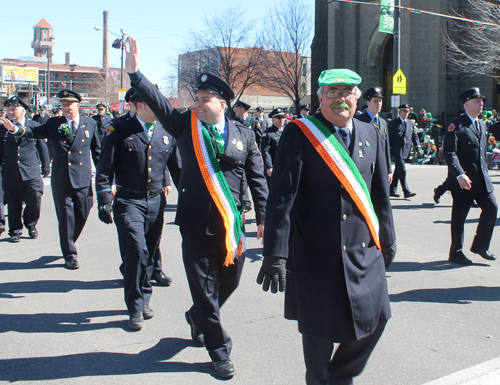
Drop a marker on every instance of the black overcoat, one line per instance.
(401, 135)
(365, 117)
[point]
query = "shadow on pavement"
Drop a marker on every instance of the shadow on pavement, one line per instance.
(55, 286)
(40, 263)
(254, 255)
(457, 295)
(422, 266)
(92, 364)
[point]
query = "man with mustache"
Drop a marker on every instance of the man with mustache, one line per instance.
(329, 226)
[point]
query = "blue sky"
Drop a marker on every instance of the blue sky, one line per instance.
(160, 27)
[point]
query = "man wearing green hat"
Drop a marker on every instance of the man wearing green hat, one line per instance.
(330, 232)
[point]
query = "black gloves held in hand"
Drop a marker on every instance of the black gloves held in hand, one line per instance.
(273, 273)
(105, 213)
(389, 252)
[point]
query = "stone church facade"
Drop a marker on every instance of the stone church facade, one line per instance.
(346, 36)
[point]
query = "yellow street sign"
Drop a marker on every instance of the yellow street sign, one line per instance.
(399, 83)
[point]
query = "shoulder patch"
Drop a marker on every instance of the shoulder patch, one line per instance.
(109, 130)
(451, 127)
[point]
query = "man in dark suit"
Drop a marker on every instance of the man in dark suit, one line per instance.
(41, 117)
(262, 121)
(304, 111)
(401, 135)
(374, 99)
(216, 153)
(271, 140)
(336, 286)
(468, 180)
(134, 156)
(73, 138)
(102, 119)
(22, 182)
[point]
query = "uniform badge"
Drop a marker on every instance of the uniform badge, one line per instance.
(239, 145)
(87, 134)
(110, 130)
(360, 144)
(165, 140)
(65, 93)
(204, 78)
(360, 154)
(258, 125)
(451, 127)
(367, 143)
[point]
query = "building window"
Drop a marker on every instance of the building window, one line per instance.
(65, 74)
(71, 76)
(84, 86)
(52, 74)
(84, 76)
(90, 77)
(57, 75)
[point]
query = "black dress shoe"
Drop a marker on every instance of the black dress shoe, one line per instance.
(161, 279)
(248, 207)
(224, 368)
(484, 253)
(71, 264)
(148, 313)
(196, 333)
(436, 196)
(15, 238)
(460, 258)
(136, 321)
(33, 233)
(410, 195)
(393, 194)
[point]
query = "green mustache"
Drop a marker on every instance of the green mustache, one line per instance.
(340, 104)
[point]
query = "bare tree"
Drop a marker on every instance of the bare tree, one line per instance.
(104, 89)
(474, 48)
(224, 49)
(288, 36)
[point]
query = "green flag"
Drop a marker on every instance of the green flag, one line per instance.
(386, 23)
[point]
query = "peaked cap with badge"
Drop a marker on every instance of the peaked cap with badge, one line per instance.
(212, 83)
(471, 93)
(374, 92)
(241, 103)
(16, 101)
(69, 96)
(405, 107)
(277, 112)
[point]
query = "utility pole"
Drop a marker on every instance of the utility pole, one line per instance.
(396, 46)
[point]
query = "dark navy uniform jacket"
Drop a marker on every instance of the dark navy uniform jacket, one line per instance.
(365, 117)
(41, 119)
(465, 153)
(102, 123)
(401, 136)
(252, 124)
(270, 143)
(135, 163)
(20, 157)
(196, 209)
(71, 161)
(336, 286)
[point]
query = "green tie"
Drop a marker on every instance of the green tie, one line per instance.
(218, 139)
(150, 127)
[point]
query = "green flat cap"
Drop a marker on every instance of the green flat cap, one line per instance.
(339, 77)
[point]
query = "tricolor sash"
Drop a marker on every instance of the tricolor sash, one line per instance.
(234, 221)
(341, 164)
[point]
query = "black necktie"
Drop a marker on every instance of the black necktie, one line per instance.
(344, 131)
(478, 127)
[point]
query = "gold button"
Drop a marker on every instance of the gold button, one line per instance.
(166, 150)
(344, 217)
(83, 140)
(149, 147)
(149, 180)
(80, 164)
(149, 169)
(344, 248)
(80, 152)
(69, 152)
(69, 164)
(363, 245)
(149, 158)
(130, 149)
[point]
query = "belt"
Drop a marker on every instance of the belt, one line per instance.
(147, 193)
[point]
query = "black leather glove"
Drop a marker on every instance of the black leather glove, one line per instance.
(389, 253)
(46, 174)
(273, 273)
(105, 213)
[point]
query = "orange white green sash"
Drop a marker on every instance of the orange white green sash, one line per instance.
(341, 164)
(234, 221)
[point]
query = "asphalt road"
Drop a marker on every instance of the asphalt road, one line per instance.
(70, 327)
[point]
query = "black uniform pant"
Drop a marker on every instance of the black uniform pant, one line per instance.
(30, 192)
(157, 263)
(442, 188)
(72, 210)
(139, 223)
(462, 203)
(349, 359)
(2, 202)
(399, 175)
(211, 284)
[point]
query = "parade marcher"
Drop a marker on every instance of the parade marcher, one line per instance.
(374, 100)
(2, 205)
(468, 179)
(134, 156)
(216, 153)
(271, 140)
(304, 111)
(21, 173)
(102, 119)
(262, 122)
(401, 134)
(42, 116)
(73, 139)
(321, 222)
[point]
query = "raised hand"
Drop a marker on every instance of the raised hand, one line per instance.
(132, 59)
(7, 124)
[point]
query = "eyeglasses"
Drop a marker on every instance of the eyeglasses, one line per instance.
(334, 93)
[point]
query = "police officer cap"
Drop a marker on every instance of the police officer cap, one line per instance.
(212, 83)
(339, 77)
(374, 92)
(471, 93)
(100, 105)
(128, 94)
(304, 107)
(42, 108)
(259, 109)
(240, 103)
(277, 112)
(405, 107)
(16, 101)
(69, 96)
(135, 97)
